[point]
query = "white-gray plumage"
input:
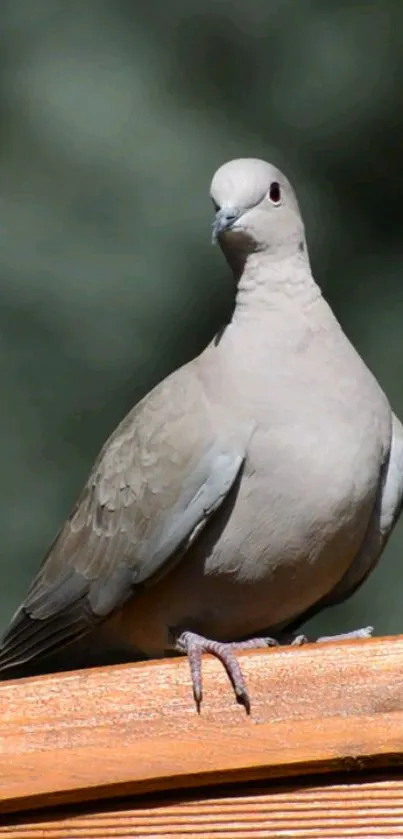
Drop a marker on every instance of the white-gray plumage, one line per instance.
(259, 480)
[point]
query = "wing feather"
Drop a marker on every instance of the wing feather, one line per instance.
(156, 482)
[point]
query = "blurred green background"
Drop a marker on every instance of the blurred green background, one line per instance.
(114, 116)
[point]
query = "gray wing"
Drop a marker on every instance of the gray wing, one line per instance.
(384, 517)
(156, 482)
(386, 512)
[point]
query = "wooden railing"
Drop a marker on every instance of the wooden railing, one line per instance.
(122, 751)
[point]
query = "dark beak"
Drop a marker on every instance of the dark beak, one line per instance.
(224, 219)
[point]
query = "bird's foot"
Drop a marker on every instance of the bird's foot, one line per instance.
(354, 635)
(195, 645)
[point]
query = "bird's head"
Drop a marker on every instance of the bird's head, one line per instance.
(255, 211)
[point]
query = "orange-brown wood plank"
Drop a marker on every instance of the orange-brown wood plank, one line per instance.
(366, 809)
(134, 728)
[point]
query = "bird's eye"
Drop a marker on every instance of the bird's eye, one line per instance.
(275, 193)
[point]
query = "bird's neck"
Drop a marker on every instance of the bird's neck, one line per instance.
(268, 283)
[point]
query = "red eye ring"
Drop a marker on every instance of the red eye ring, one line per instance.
(275, 193)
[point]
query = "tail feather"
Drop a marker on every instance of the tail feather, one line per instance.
(29, 639)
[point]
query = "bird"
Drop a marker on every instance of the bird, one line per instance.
(255, 485)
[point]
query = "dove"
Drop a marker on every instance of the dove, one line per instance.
(253, 486)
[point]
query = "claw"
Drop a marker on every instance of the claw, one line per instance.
(194, 645)
(355, 634)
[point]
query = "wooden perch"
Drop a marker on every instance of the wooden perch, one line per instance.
(95, 735)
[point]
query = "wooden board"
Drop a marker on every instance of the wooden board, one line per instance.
(369, 808)
(127, 730)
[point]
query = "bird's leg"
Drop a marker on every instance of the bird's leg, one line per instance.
(355, 634)
(194, 645)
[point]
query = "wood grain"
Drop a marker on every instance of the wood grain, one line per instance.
(362, 808)
(132, 729)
